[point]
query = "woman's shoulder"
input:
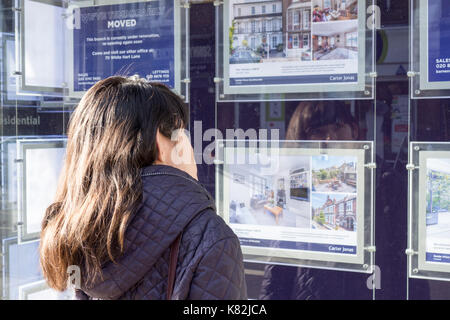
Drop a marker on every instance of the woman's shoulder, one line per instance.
(179, 200)
(171, 185)
(209, 228)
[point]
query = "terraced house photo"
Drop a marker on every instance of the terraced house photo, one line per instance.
(297, 20)
(256, 31)
(270, 31)
(334, 212)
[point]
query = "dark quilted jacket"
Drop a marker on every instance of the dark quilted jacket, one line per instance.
(210, 262)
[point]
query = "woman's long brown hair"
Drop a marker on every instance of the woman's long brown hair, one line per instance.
(111, 136)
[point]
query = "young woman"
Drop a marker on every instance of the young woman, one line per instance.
(128, 190)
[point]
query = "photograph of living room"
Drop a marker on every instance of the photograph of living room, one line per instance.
(281, 199)
(334, 10)
(334, 212)
(335, 40)
(334, 174)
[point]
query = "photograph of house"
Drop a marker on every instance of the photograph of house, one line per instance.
(334, 174)
(281, 199)
(438, 198)
(335, 40)
(256, 30)
(334, 10)
(297, 22)
(334, 212)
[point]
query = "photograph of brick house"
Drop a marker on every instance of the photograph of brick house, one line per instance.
(297, 22)
(334, 212)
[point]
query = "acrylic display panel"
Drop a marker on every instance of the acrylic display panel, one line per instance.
(9, 80)
(301, 50)
(38, 172)
(299, 202)
(429, 210)
(9, 173)
(430, 55)
(110, 37)
(40, 44)
(22, 276)
(39, 290)
(20, 266)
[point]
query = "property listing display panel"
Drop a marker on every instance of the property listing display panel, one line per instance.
(290, 42)
(37, 179)
(22, 276)
(41, 46)
(9, 83)
(296, 202)
(438, 41)
(437, 211)
(42, 170)
(125, 39)
(433, 44)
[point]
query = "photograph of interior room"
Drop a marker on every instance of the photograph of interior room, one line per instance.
(336, 42)
(259, 196)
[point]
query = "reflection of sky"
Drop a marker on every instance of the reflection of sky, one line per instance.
(325, 161)
(318, 199)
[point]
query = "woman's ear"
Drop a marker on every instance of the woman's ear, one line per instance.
(179, 154)
(162, 148)
(158, 148)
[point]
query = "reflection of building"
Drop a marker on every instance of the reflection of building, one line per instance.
(258, 22)
(338, 213)
(298, 28)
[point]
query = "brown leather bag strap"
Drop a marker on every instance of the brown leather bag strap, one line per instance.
(174, 248)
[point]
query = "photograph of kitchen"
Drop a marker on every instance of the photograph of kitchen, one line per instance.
(257, 197)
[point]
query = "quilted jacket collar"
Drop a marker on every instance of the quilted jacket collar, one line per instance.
(158, 169)
(171, 200)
